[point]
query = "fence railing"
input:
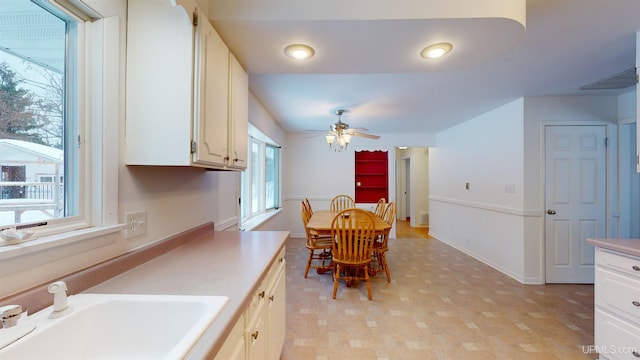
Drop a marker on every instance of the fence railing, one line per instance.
(18, 197)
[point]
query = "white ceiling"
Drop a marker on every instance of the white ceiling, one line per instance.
(367, 56)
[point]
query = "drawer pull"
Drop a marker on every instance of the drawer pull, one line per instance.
(635, 303)
(282, 259)
(254, 336)
(272, 297)
(261, 294)
(636, 267)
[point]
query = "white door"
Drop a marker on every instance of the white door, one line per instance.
(407, 190)
(575, 196)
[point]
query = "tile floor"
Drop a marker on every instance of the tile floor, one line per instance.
(441, 304)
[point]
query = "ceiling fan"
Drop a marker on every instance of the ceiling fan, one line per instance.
(340, 134)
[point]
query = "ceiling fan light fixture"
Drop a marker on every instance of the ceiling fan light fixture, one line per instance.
(330, 139)
(299, 51)
(435, 51)
(340, 135)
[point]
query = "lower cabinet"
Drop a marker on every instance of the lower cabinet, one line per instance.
(234, 347)
(260, 332)
(617, 305)
(276, 314)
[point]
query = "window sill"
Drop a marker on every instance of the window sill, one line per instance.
(257, 220)
(57, 240)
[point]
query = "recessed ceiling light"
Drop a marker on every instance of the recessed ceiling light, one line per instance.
(436, 50)
(299, 51)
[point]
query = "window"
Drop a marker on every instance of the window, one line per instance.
(48, 103)
(261, 180)
(39, 105)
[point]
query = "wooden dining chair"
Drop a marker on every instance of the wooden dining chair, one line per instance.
(381, 245)
(353, 231)
(380, 207)
(319, 246)
(307, 204)
(342, 202)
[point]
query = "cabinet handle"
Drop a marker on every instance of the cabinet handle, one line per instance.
(636, 267)
(254, 336)
(281, 259)
(226, 158)
(261, 294)
(636, 303)
(271, 298)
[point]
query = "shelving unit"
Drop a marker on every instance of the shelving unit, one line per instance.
(371, 176)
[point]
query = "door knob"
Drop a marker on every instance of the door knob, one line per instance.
(551, 212)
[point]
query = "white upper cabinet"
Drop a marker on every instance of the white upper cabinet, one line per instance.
(187, 97)
(211, 95)
(238, 114)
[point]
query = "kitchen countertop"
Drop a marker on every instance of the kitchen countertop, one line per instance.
(228, 263)
(626, 246)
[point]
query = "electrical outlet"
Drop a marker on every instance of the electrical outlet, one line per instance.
(136, 224)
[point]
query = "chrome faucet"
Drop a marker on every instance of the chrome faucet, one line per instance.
(60, 304)
(10, 314)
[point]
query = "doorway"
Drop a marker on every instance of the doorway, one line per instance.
(575, 200)
(407, 189)
(412, 185)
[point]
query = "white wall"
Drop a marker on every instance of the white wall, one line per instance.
(499, 148)
(485, 221)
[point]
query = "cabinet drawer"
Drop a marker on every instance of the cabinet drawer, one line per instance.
(616, 339)
(257, 299)
(626, 264)
(618, 293)
(259, 296)
(273, 271)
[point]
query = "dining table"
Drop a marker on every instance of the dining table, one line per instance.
(321, 220)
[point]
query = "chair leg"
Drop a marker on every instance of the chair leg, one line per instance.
(306, 271)
(366, 279)
(383, 261)
(336, 277)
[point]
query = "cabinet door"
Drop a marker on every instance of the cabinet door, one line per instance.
(256, 335)
(159, 83)
(276, 316)
(211, 85)
(239, 114)
(234, 346)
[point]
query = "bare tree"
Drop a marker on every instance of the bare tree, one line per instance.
(32, 115)
(48, 106)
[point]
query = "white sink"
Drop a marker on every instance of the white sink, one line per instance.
(111, 326)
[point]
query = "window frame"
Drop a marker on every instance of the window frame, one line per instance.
(247, 214)
(98, 79)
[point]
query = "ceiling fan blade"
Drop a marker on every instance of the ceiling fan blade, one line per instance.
(324, 133)
(359, 129)
(370, 136)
